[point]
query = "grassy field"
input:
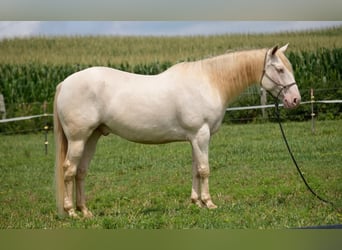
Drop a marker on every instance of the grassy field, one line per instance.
(129, 185)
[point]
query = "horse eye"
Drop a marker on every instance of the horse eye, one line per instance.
(280, 70)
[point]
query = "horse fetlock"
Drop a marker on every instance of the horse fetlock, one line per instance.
(67, 204)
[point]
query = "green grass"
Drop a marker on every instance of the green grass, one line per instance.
(253, 181)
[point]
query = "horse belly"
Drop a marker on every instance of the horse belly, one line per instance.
(147, 132)
(145, 120)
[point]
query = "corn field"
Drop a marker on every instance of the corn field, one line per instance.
(104, 50)
(28, 83)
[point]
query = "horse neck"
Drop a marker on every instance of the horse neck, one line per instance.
(232, 73)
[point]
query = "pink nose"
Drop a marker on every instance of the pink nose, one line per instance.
(292, 102)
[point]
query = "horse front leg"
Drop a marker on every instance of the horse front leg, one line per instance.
(200, 187)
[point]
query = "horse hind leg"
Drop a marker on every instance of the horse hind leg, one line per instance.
(196, 187)
(81, 173)
(73, 157)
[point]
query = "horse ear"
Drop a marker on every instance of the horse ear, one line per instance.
(274, 50)
(284, 48)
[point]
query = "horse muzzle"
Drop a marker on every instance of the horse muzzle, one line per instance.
(291, 101)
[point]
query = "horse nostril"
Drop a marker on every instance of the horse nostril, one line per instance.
(295, 100)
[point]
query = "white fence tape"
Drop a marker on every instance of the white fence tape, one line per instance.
(328, 101)
(228, 109)
(252, 107)
(23, 118)
(280, 105)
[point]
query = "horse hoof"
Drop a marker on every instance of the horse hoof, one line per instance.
(72, 213)
(198, 203)
(87, 214)
(209, 204)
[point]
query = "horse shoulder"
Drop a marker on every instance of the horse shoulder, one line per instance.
(197, 101)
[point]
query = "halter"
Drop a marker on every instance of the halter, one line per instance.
(282, 87)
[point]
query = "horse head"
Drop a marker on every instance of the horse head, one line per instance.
(278, 78)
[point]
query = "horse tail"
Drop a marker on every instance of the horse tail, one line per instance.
(61, 151)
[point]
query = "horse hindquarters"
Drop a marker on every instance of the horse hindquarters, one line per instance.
(73, 155)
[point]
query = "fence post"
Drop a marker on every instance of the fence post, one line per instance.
(2, 107)
(312, 111)
(263, 101)
(46, 127)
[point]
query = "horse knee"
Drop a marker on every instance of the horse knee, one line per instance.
(204, 171)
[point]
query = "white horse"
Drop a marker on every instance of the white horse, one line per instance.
(187, 102)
